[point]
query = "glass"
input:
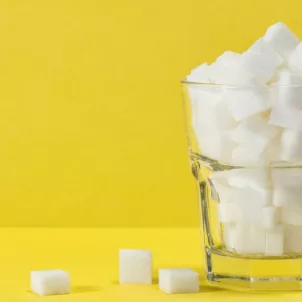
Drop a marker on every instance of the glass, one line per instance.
(249, 182)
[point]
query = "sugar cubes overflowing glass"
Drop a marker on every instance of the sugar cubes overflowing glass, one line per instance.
(247, 114)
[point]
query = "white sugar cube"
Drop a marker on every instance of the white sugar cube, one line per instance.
(209, 143)
(267, 52)
(244, 103)
(292, 214)
(261, 64)
(200, 74)
(243, 156)
(249, 239)
(214, 144)
(284, 196)
(182, 280)
(270, 217)
(257, 178)
(291, 146)
(293, 239)
(286, 117)
(50, 282)
(204, 103)
(135, 267)
(274, 241)
(223, 117)
(228, 69)
(228, 212)
(295, 59)
(289, 90)
(247, 195)
(286, 177)
(254, 133)
(229, 235)
(281, 39)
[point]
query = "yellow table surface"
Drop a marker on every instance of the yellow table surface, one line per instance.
(91, 257)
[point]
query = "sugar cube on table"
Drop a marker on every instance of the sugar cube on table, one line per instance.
(135, 266)
(178, 280)
(274, 241)
(295, 59)
(281, 39)
(50, 282)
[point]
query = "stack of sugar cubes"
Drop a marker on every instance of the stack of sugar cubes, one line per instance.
(249, 116)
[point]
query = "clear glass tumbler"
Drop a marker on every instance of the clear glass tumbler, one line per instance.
(245, 150)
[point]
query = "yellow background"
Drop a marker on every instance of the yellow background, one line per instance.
(91, 121)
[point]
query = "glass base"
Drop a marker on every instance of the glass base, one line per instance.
(253, 273)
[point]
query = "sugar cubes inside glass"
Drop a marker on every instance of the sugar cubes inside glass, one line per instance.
(135, 266)
(252, 118)
(178, 280)
(50, 282)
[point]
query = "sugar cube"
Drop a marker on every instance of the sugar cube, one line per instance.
(292, 214)
(291, 145)
(261, 65)
(135, 267)
(293, 239)
(270, 217)
(228, 69)
(249, 239)
(274, 241)
(286, 177)
(228, 212)
(254, 133)
(281, 39)
(295, 59)
(286, 117)
(200, 74)
(284, 196)
(257, 178)
(244, 103)
(229, 235)
(181, 280)
(289, 90)
(50, 282)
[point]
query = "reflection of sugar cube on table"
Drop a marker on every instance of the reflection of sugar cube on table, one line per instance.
(135, 267)
(178, 280)
(50, 282)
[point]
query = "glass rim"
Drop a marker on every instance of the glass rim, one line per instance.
(185, 82)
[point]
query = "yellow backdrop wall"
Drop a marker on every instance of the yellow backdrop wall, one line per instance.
(91, 122)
